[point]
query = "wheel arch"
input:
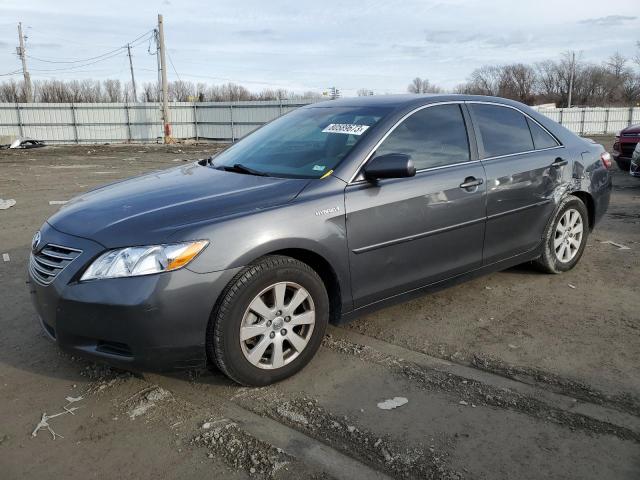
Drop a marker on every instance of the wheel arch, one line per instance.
(326, 272)
(589, 202)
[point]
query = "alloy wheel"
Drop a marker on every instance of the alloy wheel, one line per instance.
(568, 235)
(277, 325)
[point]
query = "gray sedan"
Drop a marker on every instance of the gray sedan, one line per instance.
(340, 207)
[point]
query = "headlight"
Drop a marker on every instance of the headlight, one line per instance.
(135, 261)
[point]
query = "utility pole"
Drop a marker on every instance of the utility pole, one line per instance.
(571, 75)
(23, 56)
(165, 87)
(133, 79)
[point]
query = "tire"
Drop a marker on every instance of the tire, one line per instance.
(554, 259)
(624, 164)
(260, 301)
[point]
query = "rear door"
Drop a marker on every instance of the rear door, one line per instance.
(525, 165)
(410, 232)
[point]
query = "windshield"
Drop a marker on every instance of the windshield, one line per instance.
(306, 143)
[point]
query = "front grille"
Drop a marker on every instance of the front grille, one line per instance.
(46, 264)
(627, 149)
(631, 134)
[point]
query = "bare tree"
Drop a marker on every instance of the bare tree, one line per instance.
(422, 85)
(12, 92)
(631, 89)
(113, 91)
(485, 80)
(180, 91)
(616, 64)
(150, 92)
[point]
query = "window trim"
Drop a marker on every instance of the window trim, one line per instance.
(480, 140)
(471, 140)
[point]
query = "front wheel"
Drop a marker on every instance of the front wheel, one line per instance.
(565, 237)
(269, 322)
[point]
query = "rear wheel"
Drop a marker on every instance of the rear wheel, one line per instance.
(269, 322)
(565, 237)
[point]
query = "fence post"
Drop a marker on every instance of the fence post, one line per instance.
(606, 121)
(128, 115)
(74, 121)
(561, 115)
(20, 126)
(582, 121)
(280, 107)
(195, 119)
(233, 135)
(630, 121)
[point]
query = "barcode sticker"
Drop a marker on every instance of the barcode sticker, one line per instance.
(346, 128)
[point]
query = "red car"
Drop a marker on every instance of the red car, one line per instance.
(625, 144)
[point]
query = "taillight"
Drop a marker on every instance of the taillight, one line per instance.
(605, 157)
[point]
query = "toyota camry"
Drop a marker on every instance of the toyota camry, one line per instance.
(241, 260)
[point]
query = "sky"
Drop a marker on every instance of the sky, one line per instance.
(302, 45)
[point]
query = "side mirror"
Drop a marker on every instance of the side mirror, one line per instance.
(391, 165)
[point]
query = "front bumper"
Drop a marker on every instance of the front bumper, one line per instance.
(622, 161)
(154, 322)
(623, 152)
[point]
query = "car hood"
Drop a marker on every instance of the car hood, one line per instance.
(632, 129)
(149, 208)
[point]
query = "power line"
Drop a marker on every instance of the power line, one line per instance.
(15, 72)
(173, 66)
(72, 68)
(75, 61)
(103, 56)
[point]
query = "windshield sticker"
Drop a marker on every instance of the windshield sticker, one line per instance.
(346, 128)
(319, 168)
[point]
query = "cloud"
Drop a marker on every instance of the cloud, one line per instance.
(44, 44)
(410, 49)
(457, 37)
(608, 21)
(258, 33)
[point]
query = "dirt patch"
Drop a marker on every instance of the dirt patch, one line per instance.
(624, 401)
(473, 393)
(380, 451)
(242, 451)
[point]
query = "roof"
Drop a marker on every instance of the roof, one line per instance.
(407, 100)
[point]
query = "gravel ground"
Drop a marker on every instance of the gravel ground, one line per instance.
(582, 342)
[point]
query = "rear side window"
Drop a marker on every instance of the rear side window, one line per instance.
(541, 139)
(432, 137)
(504, 130)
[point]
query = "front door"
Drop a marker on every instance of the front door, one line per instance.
(411, 232)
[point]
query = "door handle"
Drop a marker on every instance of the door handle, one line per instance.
(471, 182)
(559, 162)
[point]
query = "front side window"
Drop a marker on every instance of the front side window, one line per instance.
(306, 143)
(504, 130)
(432, 137)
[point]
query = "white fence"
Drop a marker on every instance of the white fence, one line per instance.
(593, 121)
(136, 122)
(224, 121)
